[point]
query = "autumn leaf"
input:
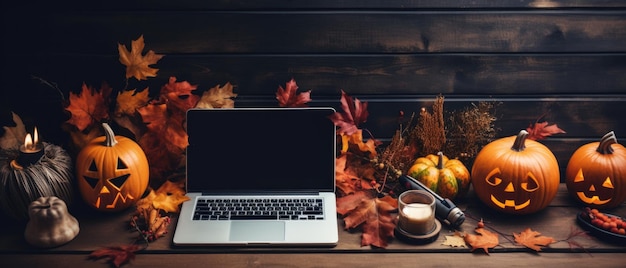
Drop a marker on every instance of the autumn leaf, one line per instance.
(354, 113)
(541, 130)
(168, 198)
(373, 215)
(179, 96)
(348, 180)
(484, 238)
(129, 101)
(289, 97)
(88, 107)
(117, 255)
(533, 239)
(217, 97)
(455, 240)
(13, 136)
(357, 139)
(137, 65)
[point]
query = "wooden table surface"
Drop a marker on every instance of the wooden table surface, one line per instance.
(98, 230)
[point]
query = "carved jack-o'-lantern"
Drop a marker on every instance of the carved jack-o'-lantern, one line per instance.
(515, 175)
(112, 172)
(596, 173)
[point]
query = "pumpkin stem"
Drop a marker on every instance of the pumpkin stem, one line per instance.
(110, 140)
(605, 143)
(520, 141)
(440, 162)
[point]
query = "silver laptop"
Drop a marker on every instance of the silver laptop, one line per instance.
(259, 177)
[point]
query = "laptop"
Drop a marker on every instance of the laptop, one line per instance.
(273, 168)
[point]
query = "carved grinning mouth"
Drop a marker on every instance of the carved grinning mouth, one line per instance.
(509, 203)
(592, 200)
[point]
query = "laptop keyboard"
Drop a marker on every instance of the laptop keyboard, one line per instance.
(208, 208)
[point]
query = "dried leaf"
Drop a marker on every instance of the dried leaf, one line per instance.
(167, 198)
(117, 255)
(88, 107)
(533, 239)
(354, 113)
(13, 136)
(455, 240)
(357, 139)
(137, 65)
(484, 239)
(373, 215)
(179, 97)
(218, 97)
(129, 101)
(289, 96)
(541, 130)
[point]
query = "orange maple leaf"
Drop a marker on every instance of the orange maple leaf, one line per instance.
(137, 65)
(179, 96)
(288, 96)
(88, 107)
(533, 239)
(217, 97)
(354, 113)
(373, 215)
(129, 101)
(168, 198)
(484, 239)
(356, 138)
(348, 180)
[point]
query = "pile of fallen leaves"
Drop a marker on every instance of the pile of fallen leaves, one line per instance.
(157, 123)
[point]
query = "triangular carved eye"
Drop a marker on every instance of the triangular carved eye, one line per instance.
(91, 181)
(119, 181)
(607, 183)
(121, 164)
(92, 166)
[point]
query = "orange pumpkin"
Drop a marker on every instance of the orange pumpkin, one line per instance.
(449, 178)
(515, 175)
(596, 173)
(112, 172)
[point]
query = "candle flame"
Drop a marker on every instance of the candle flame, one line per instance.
(28, 142)
(31, 141)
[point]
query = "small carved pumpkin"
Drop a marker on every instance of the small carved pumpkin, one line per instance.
(515, 175)
(50, 223)
(449, 178)
(596, 173)
(112, 172)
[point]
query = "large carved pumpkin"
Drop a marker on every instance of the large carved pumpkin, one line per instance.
(112, 172)
(515, 175)
(596, 173)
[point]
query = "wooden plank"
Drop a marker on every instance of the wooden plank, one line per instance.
(323, 4)
(95, 32)
(448, 74)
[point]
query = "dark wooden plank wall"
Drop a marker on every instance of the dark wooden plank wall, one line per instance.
(564, 59)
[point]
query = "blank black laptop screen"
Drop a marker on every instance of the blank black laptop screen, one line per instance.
(247, 150)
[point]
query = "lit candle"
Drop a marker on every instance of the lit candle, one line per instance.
(417, 218)
(31, 151)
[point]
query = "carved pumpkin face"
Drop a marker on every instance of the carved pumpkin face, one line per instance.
(112, 176)
(596, 173)
(515, 176)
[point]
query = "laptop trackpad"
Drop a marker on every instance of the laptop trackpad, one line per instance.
(257, 231)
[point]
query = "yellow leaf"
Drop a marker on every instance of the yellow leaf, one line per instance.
(454, 241)
(218, 97)
(168, 198)
(130, 100)
(137, 65)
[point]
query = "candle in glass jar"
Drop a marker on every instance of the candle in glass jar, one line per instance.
(417, 218)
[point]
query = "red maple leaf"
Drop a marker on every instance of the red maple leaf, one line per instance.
(178, 96)
(354, 113)
(372, 214)
(541, 130)
(118, 255)
(88, 107)
(288, 96)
